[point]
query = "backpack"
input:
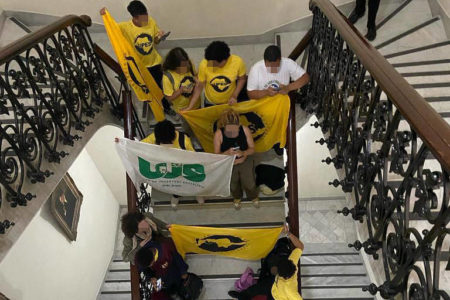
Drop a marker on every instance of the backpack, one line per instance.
(245, 281)
(192, 287)
(282, 248)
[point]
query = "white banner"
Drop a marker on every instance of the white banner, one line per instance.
(176, 171)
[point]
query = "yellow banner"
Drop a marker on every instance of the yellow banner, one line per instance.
(136, 73)
(249, 244)
(266, 118)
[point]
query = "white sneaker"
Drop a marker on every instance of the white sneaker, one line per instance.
(237, 203)
(200, 200)
(174, 202)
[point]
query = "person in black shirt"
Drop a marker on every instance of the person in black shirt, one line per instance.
(231, 138)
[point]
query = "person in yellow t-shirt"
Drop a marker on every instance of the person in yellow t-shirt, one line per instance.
(221, 74)
(166, 135)
(178, 79)
(143, 34)
(285, 286)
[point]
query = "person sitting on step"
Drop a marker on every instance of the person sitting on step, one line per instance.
(166, 135)
(231, 138)
(139, 229)
(275, 75)
(162, 261)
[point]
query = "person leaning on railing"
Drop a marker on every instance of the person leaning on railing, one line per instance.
(231, 138)
(221, 74)
(139, 229)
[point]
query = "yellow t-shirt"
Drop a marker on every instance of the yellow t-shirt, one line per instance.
(220, 83)
(287, 289)
(182, 141)
(142, 38)
(179, 80)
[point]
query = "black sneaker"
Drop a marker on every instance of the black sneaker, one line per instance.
(354, 16)
(371, 34)
(234, 294)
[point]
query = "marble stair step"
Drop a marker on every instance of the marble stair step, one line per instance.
(434, 32)
(433, 51)
(111, 296)
(270, 213)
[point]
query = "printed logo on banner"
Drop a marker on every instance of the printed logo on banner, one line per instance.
(192, 172)
(134, 72)
(220, 243)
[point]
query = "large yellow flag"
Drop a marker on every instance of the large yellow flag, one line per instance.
(239, 243)
(136, 73)
(266, 118)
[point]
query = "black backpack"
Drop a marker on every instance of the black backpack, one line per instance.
(192, 287)
(283, 248)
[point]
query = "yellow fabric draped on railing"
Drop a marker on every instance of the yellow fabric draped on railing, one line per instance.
(233, 242)
(266, 118)
(136, 73)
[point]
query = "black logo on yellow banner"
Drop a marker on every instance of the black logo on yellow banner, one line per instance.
(220, 83)
(143, 43)
(220, 243)
(135, 74)
(188, 81)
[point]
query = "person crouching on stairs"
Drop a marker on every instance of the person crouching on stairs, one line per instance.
(166, 135)
(139, 229)
(231, 138)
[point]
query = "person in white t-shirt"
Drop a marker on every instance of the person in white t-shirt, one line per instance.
(275, 75)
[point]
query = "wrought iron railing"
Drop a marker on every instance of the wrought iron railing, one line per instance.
(391, 150)
(51, 87)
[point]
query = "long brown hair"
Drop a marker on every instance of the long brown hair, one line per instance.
(228, 117)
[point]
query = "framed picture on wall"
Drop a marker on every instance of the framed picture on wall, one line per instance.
(65, 204)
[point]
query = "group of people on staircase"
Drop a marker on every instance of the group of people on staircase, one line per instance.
(147, 244)
(222, 79)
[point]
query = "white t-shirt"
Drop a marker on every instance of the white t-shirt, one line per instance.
(260, 78)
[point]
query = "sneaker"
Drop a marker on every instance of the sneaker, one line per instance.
(371, 34)
(354, 17)
(234, 294)
(200, 200)
(237, 203)
(256, 202)
(174, 202)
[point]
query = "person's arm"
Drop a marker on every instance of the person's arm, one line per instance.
(294, 240)
(161, 225)
(293, 86)
(258, 94)
(196, 95)
(180, 264)
(239, 86)
(129, 250)
(250, 143)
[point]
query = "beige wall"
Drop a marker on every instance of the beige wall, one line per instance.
(186, 19)
(44, 265)
(313, 175)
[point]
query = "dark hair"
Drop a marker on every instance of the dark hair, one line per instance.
(174, 58)
(286, 268)
(218, 51)
(137, 8)
(144, 257)
(272, 53)
(130, 223)
(164, 132)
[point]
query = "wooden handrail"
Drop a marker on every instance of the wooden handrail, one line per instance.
(108, 60)
(301, 46)
(15, 48)
(423, 118)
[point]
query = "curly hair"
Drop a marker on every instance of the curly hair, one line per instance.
(217, 51)
(130, 223)
(286, 268)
